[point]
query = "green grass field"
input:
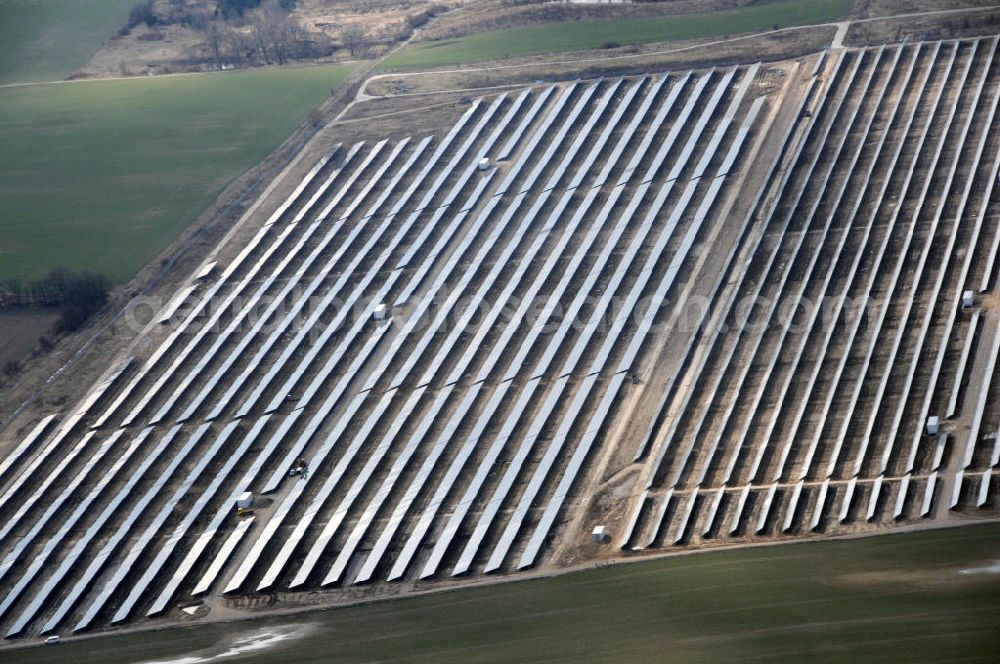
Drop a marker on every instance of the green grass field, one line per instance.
(576, 36)
(103, 175)
(894, 598)
(47, 40)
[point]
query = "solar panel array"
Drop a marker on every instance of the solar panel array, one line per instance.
(524, 300)
(867, 232)
(277, 355)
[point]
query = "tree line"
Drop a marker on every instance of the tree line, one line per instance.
(238, 33)
(77, 294)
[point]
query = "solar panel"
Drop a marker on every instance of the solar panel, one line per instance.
(656, 254)
(657, 121)
(358, 360)
(674, 267)
(633, 520)
(140, 543)
(522, 127)
(444, 236)
(765, 508)
(525, 261)
(544, 466)
(873, 497)
(610, 126)
(741, 134)
(30, 471)
(685, 516)
(360, 478)
(702, 124)
(277, 329)
(460, 155)
(839, 440)
(583, 289)
(470, 270)
(230, 544)
(931, 484)
(715, 328)
(904, 486)
(225, 509)
(349, 336)
(963, 359)
(175, 303)
(983, 495)
(444, 488)
(333, 296)
(403, 505)
(747, 79)
(573, 265)
(301, 187)
(290, 499)
(811, 448)
(125, 529)
(534, 547)
(513, 469)
(399, 465)
(209, 295)
(482, 471)
(515, 170)
(711, 510)
(238, 322)
(925, 323)
(942, 442)
(918, 266)
(39, 561)
(962, 281)
(319, 344)
(741, 502)
(817, 513)
(48, 480)
(956, 491)
(515, 523)
(793, 503)
(192, 513)
(845, 503)
(220, 309)
(42, 596)
(26, 445)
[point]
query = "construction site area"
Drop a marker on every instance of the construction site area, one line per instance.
(561, 324)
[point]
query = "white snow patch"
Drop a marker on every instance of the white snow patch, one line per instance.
(261, 639)
(989, 569)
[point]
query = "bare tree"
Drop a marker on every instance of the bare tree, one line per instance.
(278, 31)
(236, 41)
(261, 43)
(355, 39)
(214, 33)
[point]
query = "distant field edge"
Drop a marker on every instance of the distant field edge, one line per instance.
(583, 35)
